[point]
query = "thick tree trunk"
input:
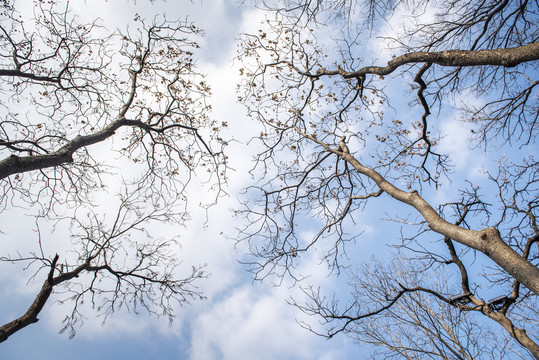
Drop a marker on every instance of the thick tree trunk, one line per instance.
(488, 240)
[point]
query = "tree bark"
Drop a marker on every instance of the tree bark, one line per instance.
(518, 334)
(488, 241)
(33, 311)
(30, 316)
(19, 164)
(496, 57)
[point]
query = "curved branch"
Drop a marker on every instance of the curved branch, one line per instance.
(16, 164)
(488, 240)
(509, 57)
(33, 311)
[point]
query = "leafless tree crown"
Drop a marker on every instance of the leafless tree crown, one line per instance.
(78, 103)
(347, 127)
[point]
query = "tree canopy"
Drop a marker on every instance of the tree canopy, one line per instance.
(69, 87)
(395, 144)
(354, 114)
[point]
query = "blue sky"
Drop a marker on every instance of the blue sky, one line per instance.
(239, 319)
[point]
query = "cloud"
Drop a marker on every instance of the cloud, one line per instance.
(383, 45)
(457, 139)
(456, 142)
(239, 320)
(253, 324)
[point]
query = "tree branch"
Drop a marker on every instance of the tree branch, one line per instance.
(33, 311)
(508, 57)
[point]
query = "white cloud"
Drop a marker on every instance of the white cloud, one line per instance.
(252, 324)
(456, 142)
(239, 320)
(457, 138)
(382, 46)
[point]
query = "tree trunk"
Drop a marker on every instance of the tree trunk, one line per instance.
(488, 240)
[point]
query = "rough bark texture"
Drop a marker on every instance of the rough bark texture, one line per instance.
(519, 334)
(488, 240)
(497, 57)
(308, 94)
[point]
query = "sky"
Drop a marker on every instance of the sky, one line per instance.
(239, 319)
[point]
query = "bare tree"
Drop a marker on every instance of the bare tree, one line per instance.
(338, 138)
(405, 319)
(69, 86)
